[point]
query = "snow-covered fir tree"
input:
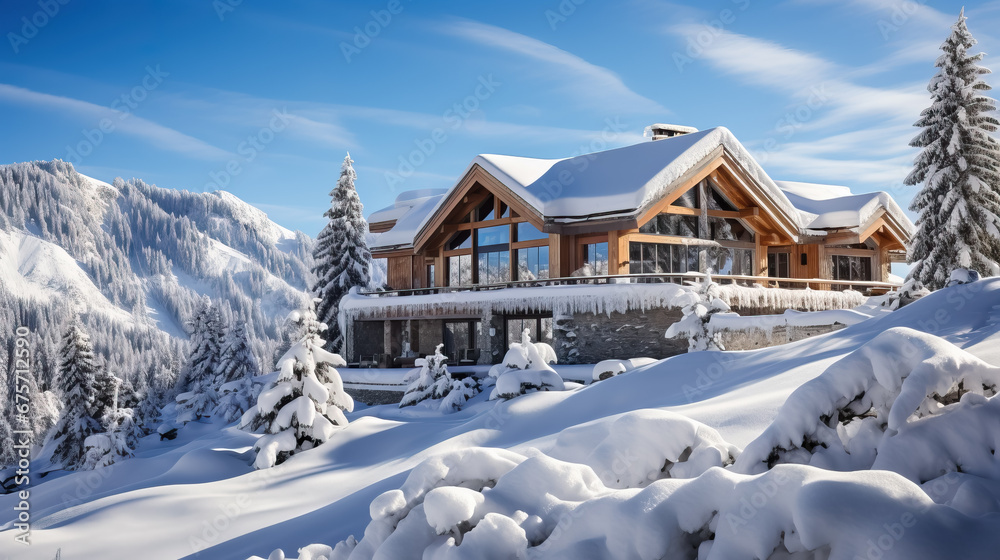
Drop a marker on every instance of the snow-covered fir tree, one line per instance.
(307, 402)
(341, 254)
(697, 312)
(8, 455)
(525, 369)
(77, 376)
(119, 437)
(198, 388)
(433, 381)
(958, 206)
(236, 372)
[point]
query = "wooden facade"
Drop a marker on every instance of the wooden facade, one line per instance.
(481, 208)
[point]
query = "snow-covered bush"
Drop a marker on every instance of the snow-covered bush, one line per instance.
(432, 381)
(524, 370)
(306, 403)
(839, 420)
(607, 369)
(698, 307)
(962, 276)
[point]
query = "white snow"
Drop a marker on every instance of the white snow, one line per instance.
(829, 207)
(584, 472)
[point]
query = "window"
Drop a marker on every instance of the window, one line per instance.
(539, 328)
(485, 210)
(430, 276)
(494, 267)
(460, 270)
(858, 269)
(533, 263)
(595, 255)
(491, 236)
(777, 265)
(665, 258)
(459, 336)
(528, 232)
(461, 240)
(672, 224)
(726, 260)
(504, 210)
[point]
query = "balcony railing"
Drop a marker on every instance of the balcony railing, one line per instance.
(868, 287)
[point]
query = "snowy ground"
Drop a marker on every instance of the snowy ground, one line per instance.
(197, 497)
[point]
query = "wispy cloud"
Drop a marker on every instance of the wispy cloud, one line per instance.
(590, 84)
(124, 123)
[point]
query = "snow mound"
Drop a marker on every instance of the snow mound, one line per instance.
(541, 507)
(524, 369)
(643, 446)
(839, 420)
(610, 368)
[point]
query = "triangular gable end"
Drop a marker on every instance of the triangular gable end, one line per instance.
(468, 193)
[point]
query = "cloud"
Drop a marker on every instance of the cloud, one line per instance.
(592, 85)
(124, 123)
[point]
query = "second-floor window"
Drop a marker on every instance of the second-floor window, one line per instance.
(595, 258)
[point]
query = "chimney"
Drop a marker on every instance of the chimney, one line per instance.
(660, 131)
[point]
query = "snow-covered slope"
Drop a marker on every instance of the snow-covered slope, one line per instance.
(132, 256)
(586, 468)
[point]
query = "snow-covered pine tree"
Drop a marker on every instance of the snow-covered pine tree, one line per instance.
(77, 372)
(8, 455)
(236, 372)
(200, 396)
(701, 304)
(433, 381)
(306, 403)
(958, 223)
(341, 254)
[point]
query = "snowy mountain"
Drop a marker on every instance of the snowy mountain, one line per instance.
(133, 260)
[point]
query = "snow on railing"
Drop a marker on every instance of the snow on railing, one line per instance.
(603, 295)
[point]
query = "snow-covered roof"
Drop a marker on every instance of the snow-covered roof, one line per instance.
(618, 181)
(623, 181)
(831, 206)
(410, 210)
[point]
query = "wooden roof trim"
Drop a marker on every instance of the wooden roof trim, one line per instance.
(381, 227)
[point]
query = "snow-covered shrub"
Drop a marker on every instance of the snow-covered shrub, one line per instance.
(698, 307)
(962, 276)
(607, 369)
(432, 381)
(642, 446)
(484, 504)
(306, 403)
(838, 420)
(524, 370)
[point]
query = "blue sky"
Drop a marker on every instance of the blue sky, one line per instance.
(263, 99)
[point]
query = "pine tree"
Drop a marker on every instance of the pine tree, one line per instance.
(8, 455)
(306, 403)
(959, 204)
(236, 372)
(199, 396)
(77, 373)
(431, 381)
(341, 254)
(695, 323)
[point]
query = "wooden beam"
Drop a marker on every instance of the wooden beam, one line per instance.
(729, 214)
(613, 256)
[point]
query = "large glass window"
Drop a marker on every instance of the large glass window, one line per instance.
(460, 336)
(539, 328)
(777, 265)
(460, 270)
(494, 267)
(665, 258)
(461, 240)
(430, 276)
(852, 268)
(672, 224)
(595, 256)
(528, 232)
(533, 263)
(485, 210)
(498, 235)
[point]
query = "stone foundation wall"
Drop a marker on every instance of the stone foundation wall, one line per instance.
(633, 334)
(762, 338)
